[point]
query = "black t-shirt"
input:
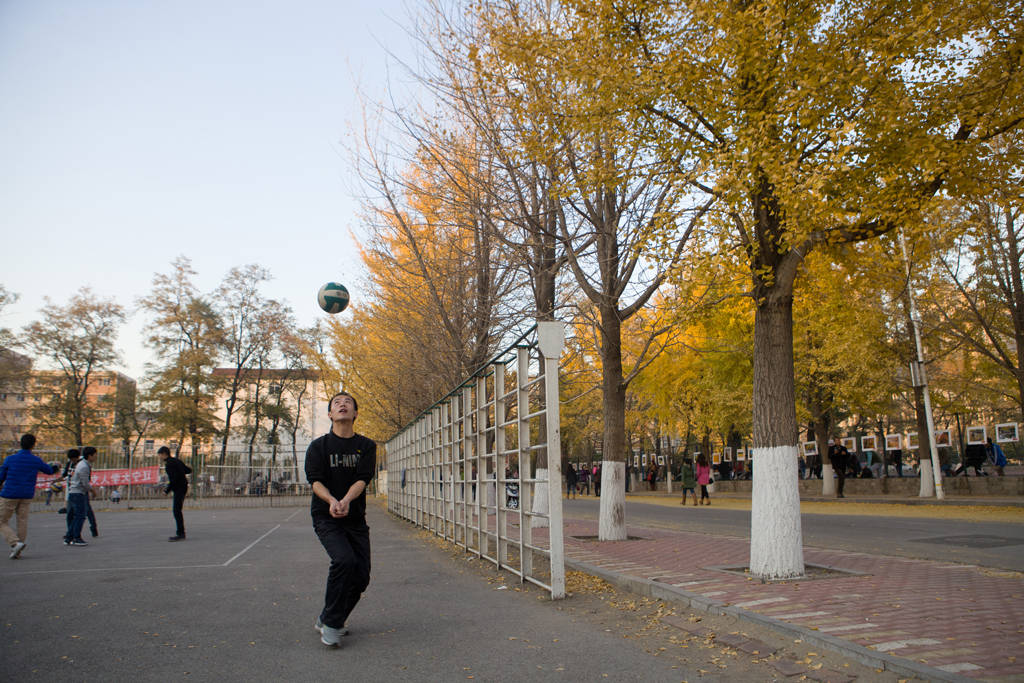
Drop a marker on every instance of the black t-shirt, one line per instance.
(338, 463)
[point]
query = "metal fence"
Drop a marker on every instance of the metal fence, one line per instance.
(465, 469)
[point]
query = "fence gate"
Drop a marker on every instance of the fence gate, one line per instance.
(482, 467)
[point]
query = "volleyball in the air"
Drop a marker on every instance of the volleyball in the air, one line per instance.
(333, 297)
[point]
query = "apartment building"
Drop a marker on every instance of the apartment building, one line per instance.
(15, 396)
(28, 389)
(280, 399)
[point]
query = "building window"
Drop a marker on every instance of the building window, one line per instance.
(147, 446)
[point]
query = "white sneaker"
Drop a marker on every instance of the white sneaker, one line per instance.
(319, 625)
(331, 637)
(16, 549)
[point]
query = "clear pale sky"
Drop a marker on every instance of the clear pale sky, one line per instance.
(134, 131)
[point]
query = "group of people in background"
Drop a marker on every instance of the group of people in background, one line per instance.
(19, 473)
(976, 456)
(77, 508)
(696, 472)
(699, 472)
(846, 464)
(693, 473)
(578, 481)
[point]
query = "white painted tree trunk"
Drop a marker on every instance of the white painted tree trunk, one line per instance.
(828, 480)
(611, 524)
(776, 540)
(927, 480)
(540, 501)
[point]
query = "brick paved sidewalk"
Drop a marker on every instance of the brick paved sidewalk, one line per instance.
(959, 619)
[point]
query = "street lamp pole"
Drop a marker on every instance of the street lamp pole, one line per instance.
(918, 377)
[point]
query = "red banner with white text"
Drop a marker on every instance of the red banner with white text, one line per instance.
(140, 475)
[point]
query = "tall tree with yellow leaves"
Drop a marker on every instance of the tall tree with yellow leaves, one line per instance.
(613, 192)
(812, 123)
(440, 287)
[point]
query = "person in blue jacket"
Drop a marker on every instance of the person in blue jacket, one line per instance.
(996, 455)
(18, 474)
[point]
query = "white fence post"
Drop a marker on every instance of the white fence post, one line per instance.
(552, 337)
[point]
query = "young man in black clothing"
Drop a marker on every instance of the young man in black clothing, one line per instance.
(178, 485)
(339, 466)
(840, 459)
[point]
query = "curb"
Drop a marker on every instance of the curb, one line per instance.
(859, 653)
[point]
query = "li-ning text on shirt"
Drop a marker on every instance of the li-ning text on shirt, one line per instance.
(344, 459)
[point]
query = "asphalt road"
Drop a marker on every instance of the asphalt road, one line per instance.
(237, 600)
(988, 544)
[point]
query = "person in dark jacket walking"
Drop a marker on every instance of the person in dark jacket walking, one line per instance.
(339, 467)
(18, 474)
(570, 481)
(689, 481)
(839, 457)
(178, 485)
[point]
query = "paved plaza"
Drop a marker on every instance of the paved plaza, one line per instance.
(237, 601)
(238, 598)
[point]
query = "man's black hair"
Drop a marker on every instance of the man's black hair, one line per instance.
(355, 404)
(87, 451)
(73, 454)
(163, 449)
(29, 440)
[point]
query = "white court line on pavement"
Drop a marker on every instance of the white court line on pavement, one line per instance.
(900, 644)
(244, 550)
(289, 517)
(755, 603)
(139, 569)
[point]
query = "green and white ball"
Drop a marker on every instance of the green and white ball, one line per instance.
(333, 297)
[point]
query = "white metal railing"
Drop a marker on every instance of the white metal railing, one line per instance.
(464, 469)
